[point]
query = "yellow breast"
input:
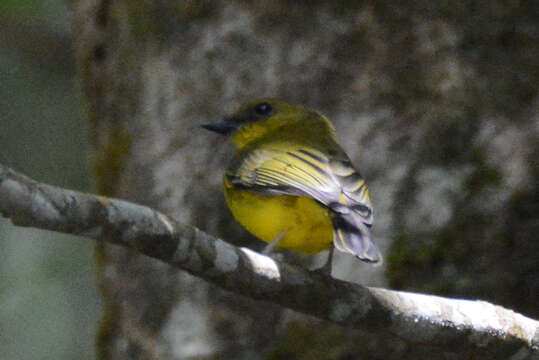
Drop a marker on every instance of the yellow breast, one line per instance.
(306, 224)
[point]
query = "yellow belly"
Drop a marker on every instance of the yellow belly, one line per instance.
(306, 224)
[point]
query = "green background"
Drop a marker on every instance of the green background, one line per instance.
(49, 303)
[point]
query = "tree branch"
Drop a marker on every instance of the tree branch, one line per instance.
(490, 330)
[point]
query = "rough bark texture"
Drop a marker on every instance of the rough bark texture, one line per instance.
(436, 102)
(482, 329)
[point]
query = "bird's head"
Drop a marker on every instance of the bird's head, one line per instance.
(270, 119)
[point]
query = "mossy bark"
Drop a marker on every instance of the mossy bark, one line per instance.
(435, 102)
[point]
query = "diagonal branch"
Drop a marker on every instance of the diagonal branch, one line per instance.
(494, 332)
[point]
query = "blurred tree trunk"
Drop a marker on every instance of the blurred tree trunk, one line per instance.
(437, 104)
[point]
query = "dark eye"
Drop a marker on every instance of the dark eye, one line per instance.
(263, 109)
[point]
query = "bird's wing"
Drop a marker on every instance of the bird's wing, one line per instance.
(304, 171)
(332, 181)
(287, 171)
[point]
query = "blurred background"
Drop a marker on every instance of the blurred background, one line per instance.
(437, 102)
(49, 304)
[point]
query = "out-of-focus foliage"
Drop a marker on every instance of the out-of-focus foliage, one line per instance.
(49, 307)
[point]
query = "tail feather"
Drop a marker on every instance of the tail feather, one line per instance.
(351, 235)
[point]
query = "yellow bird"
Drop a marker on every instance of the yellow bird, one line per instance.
(292, 185)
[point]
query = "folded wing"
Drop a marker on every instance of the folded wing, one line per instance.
(303, 171)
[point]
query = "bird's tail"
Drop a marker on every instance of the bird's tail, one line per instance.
(351, 235)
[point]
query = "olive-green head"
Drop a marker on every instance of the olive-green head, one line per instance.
(272, 120)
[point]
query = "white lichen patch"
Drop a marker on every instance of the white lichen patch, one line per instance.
(233, 19)
(426, 305)
(171, 184)
(421, 317)
(188, 331)
(479, 314)
(263, 265)
(226, 260)
(508, 149)
(434, 200)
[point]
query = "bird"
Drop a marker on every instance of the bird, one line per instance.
(292, 185)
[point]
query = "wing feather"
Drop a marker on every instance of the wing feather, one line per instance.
(290, 172)
(303, 171)
(300, 170)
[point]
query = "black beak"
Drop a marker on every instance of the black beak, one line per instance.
(220, 127)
